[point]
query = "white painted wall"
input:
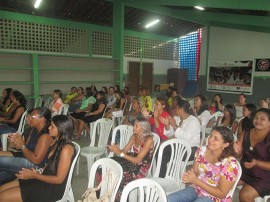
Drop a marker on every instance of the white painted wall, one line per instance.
(160, 66)
(232, 44)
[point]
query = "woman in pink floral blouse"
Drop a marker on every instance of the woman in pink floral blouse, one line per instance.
(214, 170)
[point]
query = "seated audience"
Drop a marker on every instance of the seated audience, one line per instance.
(135, 112)
(47, 184)
(156, 92)
(111, 97)
(5, 101)
(157, 126)
(239, 105)
(142, 145)
(187, 127)
(125, 91)
(254, 148)
(116, 88)
(75, 102)
(32, 145)
(214, 171)
(117, 110)
(172, 96)
(201, 109)
(73, 93)
(246, 123)
(264, 103)
(96, 113)
(11, 125)
(146, 99)
(216, 104)
(57, 102)
(229, 119)
(94, 90)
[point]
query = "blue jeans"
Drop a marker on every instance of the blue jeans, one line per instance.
(4, 128)
(187, 195)
(9, 166)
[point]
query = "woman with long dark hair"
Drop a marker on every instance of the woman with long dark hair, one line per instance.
(246, 123)
(214, 171)
(201, 109)
(5, 102)
(33, 145)
(49, 183)
(229, 118)
(11, 125)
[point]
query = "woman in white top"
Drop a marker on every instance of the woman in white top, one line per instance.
(201, 109)
(187, 128)
(239, 105)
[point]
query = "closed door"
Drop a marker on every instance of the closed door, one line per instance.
(133, 78)
(147, 75)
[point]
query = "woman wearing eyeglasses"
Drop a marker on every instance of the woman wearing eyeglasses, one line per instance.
(33, 146)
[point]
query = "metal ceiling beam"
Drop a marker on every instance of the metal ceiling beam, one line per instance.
(208, 18)
(263, 5)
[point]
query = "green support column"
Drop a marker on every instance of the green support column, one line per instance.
(118, 36)
(141, 52)
(35, 75)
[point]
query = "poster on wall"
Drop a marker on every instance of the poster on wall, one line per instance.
(230, 76)
(262, 65)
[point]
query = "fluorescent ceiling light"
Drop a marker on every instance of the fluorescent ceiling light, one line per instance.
(37, 3)
(152, 23)
(199, 8)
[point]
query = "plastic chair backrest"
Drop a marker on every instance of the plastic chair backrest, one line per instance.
(68, 194)
(216, 115)
(202, 135)
(38, 102)
(149, 191)
(176, 166)
(65, 109)
(125, 132)
(237, 179)
(60, 111)
(102, 127)
(22, 122)
(47, 102)
(156, 140)
(115, 168)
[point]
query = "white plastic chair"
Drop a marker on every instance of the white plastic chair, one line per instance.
(47, 102)
(38, 102)
(175, 167)
(103, 126)
(260, 199)
(115, 168)
(213, 116)
(64, 110)
(237, 179)
(125, 132)
(149, 191)
(119, 119)
(153, 165)
(68, 194)
(20, 130)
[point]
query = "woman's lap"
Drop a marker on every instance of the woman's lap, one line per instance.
(187, 195)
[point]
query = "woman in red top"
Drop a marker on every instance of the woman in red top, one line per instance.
(156, 119)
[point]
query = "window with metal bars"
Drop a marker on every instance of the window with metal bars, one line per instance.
(189, 54)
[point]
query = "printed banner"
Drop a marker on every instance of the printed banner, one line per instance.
(230, 76)
(262, 65)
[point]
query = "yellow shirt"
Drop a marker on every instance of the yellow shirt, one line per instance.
(147, 100)
(69, 97)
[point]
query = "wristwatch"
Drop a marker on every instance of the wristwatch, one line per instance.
(122, 154)
(23, 147)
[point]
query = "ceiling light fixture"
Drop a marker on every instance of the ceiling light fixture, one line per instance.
(152, 23)
(37, 3)
(199, 8)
